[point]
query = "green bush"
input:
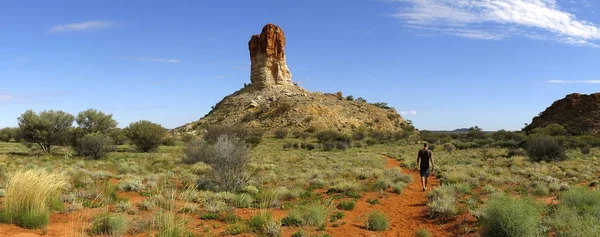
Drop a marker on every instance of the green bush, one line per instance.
(109, 224)
(9, 134)
(311, 215)
(197, 151)
(169, 141)
(442, 202)
(328, 146)
(586, 150)
(545, 149)
(341, 145)
(264, 224)
(577, 213)
(371, 142)
(505, 216)
(280, 133)
(346, 205)
(422, 233)
(145, 135)
(377, 221)
(332, 136)
(95, 145)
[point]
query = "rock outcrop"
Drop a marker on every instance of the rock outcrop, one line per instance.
(267, 57)
(273, 102)
(578, 113)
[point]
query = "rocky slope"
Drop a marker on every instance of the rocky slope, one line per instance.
(272, 101)
(578, 113)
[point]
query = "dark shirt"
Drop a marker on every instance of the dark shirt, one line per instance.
(425, 156)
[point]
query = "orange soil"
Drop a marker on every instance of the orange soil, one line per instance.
(406, 212)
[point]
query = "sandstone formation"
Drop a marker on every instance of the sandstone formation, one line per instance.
(267, 57)
(578, 113)
(273, 102)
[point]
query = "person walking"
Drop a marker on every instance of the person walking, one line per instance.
(423, 159)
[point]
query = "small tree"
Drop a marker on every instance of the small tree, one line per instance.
(8, 134)
(146, 135)
(95, 145)
(228, 160)
(94, 121)
(545, 148)
(46, 129)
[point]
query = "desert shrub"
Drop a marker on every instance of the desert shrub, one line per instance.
(9, 134)
(250, 136)
(95, 145)
(442, 202)
(145, 205)
(301, 135)
(505, 216)
(280, 133)
(512, 152)
(236, 229)
(197, 151)
(169, 141)
(350, 98)
(301, 233)
(449, 147)
(265, 224)
(381, 184)
(380, 136)
(94, 121)
(362, 100)
(371, 142)
(338, 215)
(359, 135)
(346, 205)
(243, 200)
(540, 189)
(209, 216)
(28, 196)
(109, 225)
(422, 233)
(332, 136)
(266, 198)
(311, 215)
(341, 145)
(228, 163)
(398, 187)
(187, 137)
(586, 150)
(344, 187)
(46, 129)
(577, 213)
(328, 146)
(357, 144)
(130, 184)
(395, 175)
(377, 221)
(310, 146)
(145, 135)
(545, 149)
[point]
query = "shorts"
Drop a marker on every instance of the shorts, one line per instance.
(424, 171)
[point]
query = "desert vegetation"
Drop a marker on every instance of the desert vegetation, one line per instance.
(237, 180)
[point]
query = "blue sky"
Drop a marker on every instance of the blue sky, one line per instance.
(443, 64)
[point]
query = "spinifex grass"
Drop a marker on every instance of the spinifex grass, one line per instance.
(28, 194)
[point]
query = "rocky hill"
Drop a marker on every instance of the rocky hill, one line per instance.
(578, 113)
(272, 101)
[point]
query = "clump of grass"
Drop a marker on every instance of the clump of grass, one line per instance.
(442, 202)
(398, 187)
(505, 216)
(109, 224)
(265, 224)
(243, 200)
(145, 205)
(377, 221)
(577, 213)
(346, 205)
(422, 233)
(170, 225)
(312, 215)
(130, 185)
(236, 229)
(336, 216)
(28, 195)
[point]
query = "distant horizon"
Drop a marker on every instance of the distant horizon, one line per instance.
(441, 64)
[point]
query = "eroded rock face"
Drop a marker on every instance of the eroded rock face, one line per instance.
(578, 113)
(267, 56)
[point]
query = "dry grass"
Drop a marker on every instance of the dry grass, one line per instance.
(28, 194)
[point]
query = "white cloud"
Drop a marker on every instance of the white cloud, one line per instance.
(83, 26)
(498, 19)
(408, 112)
(160, 60)
(572, 82)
